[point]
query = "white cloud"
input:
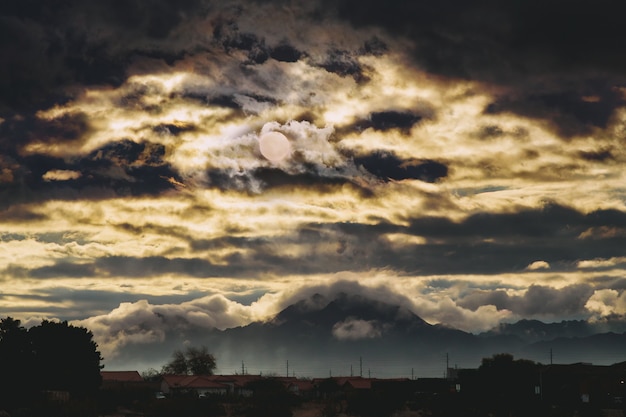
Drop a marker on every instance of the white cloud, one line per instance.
(606, 302)
(144, 323)
(61, 175)
(355, 329)
(601, 263)
(538, 265)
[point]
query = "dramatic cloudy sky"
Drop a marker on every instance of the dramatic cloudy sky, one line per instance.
(465, 159)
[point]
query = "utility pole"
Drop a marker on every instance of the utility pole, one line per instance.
(242, 369)
(287, 367)
(447, 364)
(361, 366)
(412, 374)
(351, 370)
(550, 356)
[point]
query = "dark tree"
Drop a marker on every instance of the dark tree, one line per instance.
(16, 357)
(65, 358)
(194, 361)
(49, 357)
(509, 384)
(178, 364)
(200, 361)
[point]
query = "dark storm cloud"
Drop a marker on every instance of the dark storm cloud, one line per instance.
(49, 46)
(386, 120)
(19, 214)
(498, 40)
(63, 129)
(387, 166)
(285, 53)
(274, 178)
(345, 64)
(16, 133)
(492, 131)
(136, 96)
(488, 243)
(560, 60)
(118, 168)
(374, 46)
(484, 244)
(598, 156)
(126, 152)
(78, 303)
(309, 176)
(156, 265)
(174, 129)
(136, 229)
(230, 100)
(64, 269)
(227, 33)
(550, 220)
(610, 282)
(574, 111)
(538, 300)
(108, 300)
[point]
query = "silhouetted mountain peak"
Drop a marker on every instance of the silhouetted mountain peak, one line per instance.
(322, 311)
(323, 332)
(534, 330)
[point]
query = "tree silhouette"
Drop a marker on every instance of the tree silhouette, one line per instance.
(65, 358)
(16, 358)
(194, 361)
(200, 361)
(508, 384)
(51, 356)
(178, 364)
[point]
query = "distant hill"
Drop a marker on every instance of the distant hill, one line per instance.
(599, 349)
(319, 334)
(350, 334)
(531, 331)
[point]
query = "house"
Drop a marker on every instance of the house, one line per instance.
(237, 384)
(327, 388)
(120, 377)
(299, 387)
(356, 384)
(122, 381)
(302, 388)
(194, 385)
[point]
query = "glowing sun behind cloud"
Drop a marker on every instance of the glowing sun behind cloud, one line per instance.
(274, 146)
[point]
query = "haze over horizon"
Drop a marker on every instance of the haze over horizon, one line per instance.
(464, 160)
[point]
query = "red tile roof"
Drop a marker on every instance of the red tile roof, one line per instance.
(303, 384)
(237, 380)
(358, 383)
(121, 376)
(192, 381)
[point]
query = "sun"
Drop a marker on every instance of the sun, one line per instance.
(274, 146)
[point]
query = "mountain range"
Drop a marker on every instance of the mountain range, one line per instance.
(355, 335)
(358, 335)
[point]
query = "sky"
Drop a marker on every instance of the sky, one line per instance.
(463, 159)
